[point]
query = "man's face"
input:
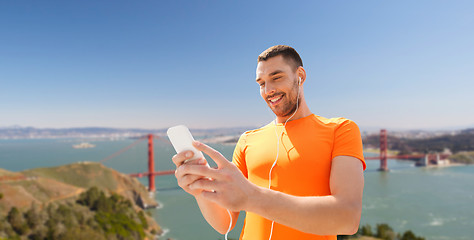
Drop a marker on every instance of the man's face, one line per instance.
(278, 85)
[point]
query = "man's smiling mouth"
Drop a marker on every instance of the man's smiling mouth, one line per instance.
(275, 99)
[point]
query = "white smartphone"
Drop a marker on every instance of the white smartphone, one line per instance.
(182, 140)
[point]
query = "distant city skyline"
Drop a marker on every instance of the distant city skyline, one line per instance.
(152, 65)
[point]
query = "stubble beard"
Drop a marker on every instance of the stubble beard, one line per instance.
(291, 106)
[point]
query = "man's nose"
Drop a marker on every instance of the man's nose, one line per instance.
(269, 89)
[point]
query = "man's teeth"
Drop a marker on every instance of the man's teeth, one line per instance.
(275, 99)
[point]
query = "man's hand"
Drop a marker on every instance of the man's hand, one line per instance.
(184, 180)
(224, 185)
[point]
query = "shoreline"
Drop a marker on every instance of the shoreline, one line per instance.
(448, 165)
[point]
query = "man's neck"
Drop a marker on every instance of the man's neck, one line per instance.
(303, 111)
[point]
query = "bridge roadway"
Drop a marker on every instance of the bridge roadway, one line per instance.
(170, 172)
(419, 156)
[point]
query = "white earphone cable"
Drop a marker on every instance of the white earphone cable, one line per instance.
(230, 224)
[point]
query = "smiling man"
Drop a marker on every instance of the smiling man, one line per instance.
(299, 177)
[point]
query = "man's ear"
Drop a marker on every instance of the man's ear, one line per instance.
(301, 75)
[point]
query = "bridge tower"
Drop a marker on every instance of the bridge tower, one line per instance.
(151, 164)
(383, 150)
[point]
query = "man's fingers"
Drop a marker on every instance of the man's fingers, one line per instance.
(211, 196)
(182, 157)
(218, 158)
(188, 180)
(200, 170)
(204, 184)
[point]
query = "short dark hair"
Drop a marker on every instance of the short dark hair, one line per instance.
(288, 53)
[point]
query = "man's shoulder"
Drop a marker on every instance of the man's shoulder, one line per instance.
(259, 130)
(332, 123)
(336, 120)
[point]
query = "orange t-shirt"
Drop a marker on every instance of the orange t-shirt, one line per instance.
(307, 146)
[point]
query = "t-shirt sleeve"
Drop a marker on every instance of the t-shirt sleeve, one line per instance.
(238, 159)
(348, 142)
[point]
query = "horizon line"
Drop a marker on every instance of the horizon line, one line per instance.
(362, 128)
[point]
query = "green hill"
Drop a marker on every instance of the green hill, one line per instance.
(84, 175)
(46, 190)
(44, 185)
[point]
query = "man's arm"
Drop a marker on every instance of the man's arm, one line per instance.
(338, 213)
(216, 216)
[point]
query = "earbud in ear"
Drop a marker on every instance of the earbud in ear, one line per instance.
(300, 81)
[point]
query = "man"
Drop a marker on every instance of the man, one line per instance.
(299, 177)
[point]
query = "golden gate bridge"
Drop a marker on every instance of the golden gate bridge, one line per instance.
(151, 173)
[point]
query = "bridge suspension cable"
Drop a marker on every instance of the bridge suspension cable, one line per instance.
(122, 150)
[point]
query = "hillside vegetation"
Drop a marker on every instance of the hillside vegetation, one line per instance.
(463, 157)
(381, 232)
(92, 216)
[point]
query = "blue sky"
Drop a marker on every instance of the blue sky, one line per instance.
(154, 64)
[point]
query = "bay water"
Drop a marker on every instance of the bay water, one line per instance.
(436, 203)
